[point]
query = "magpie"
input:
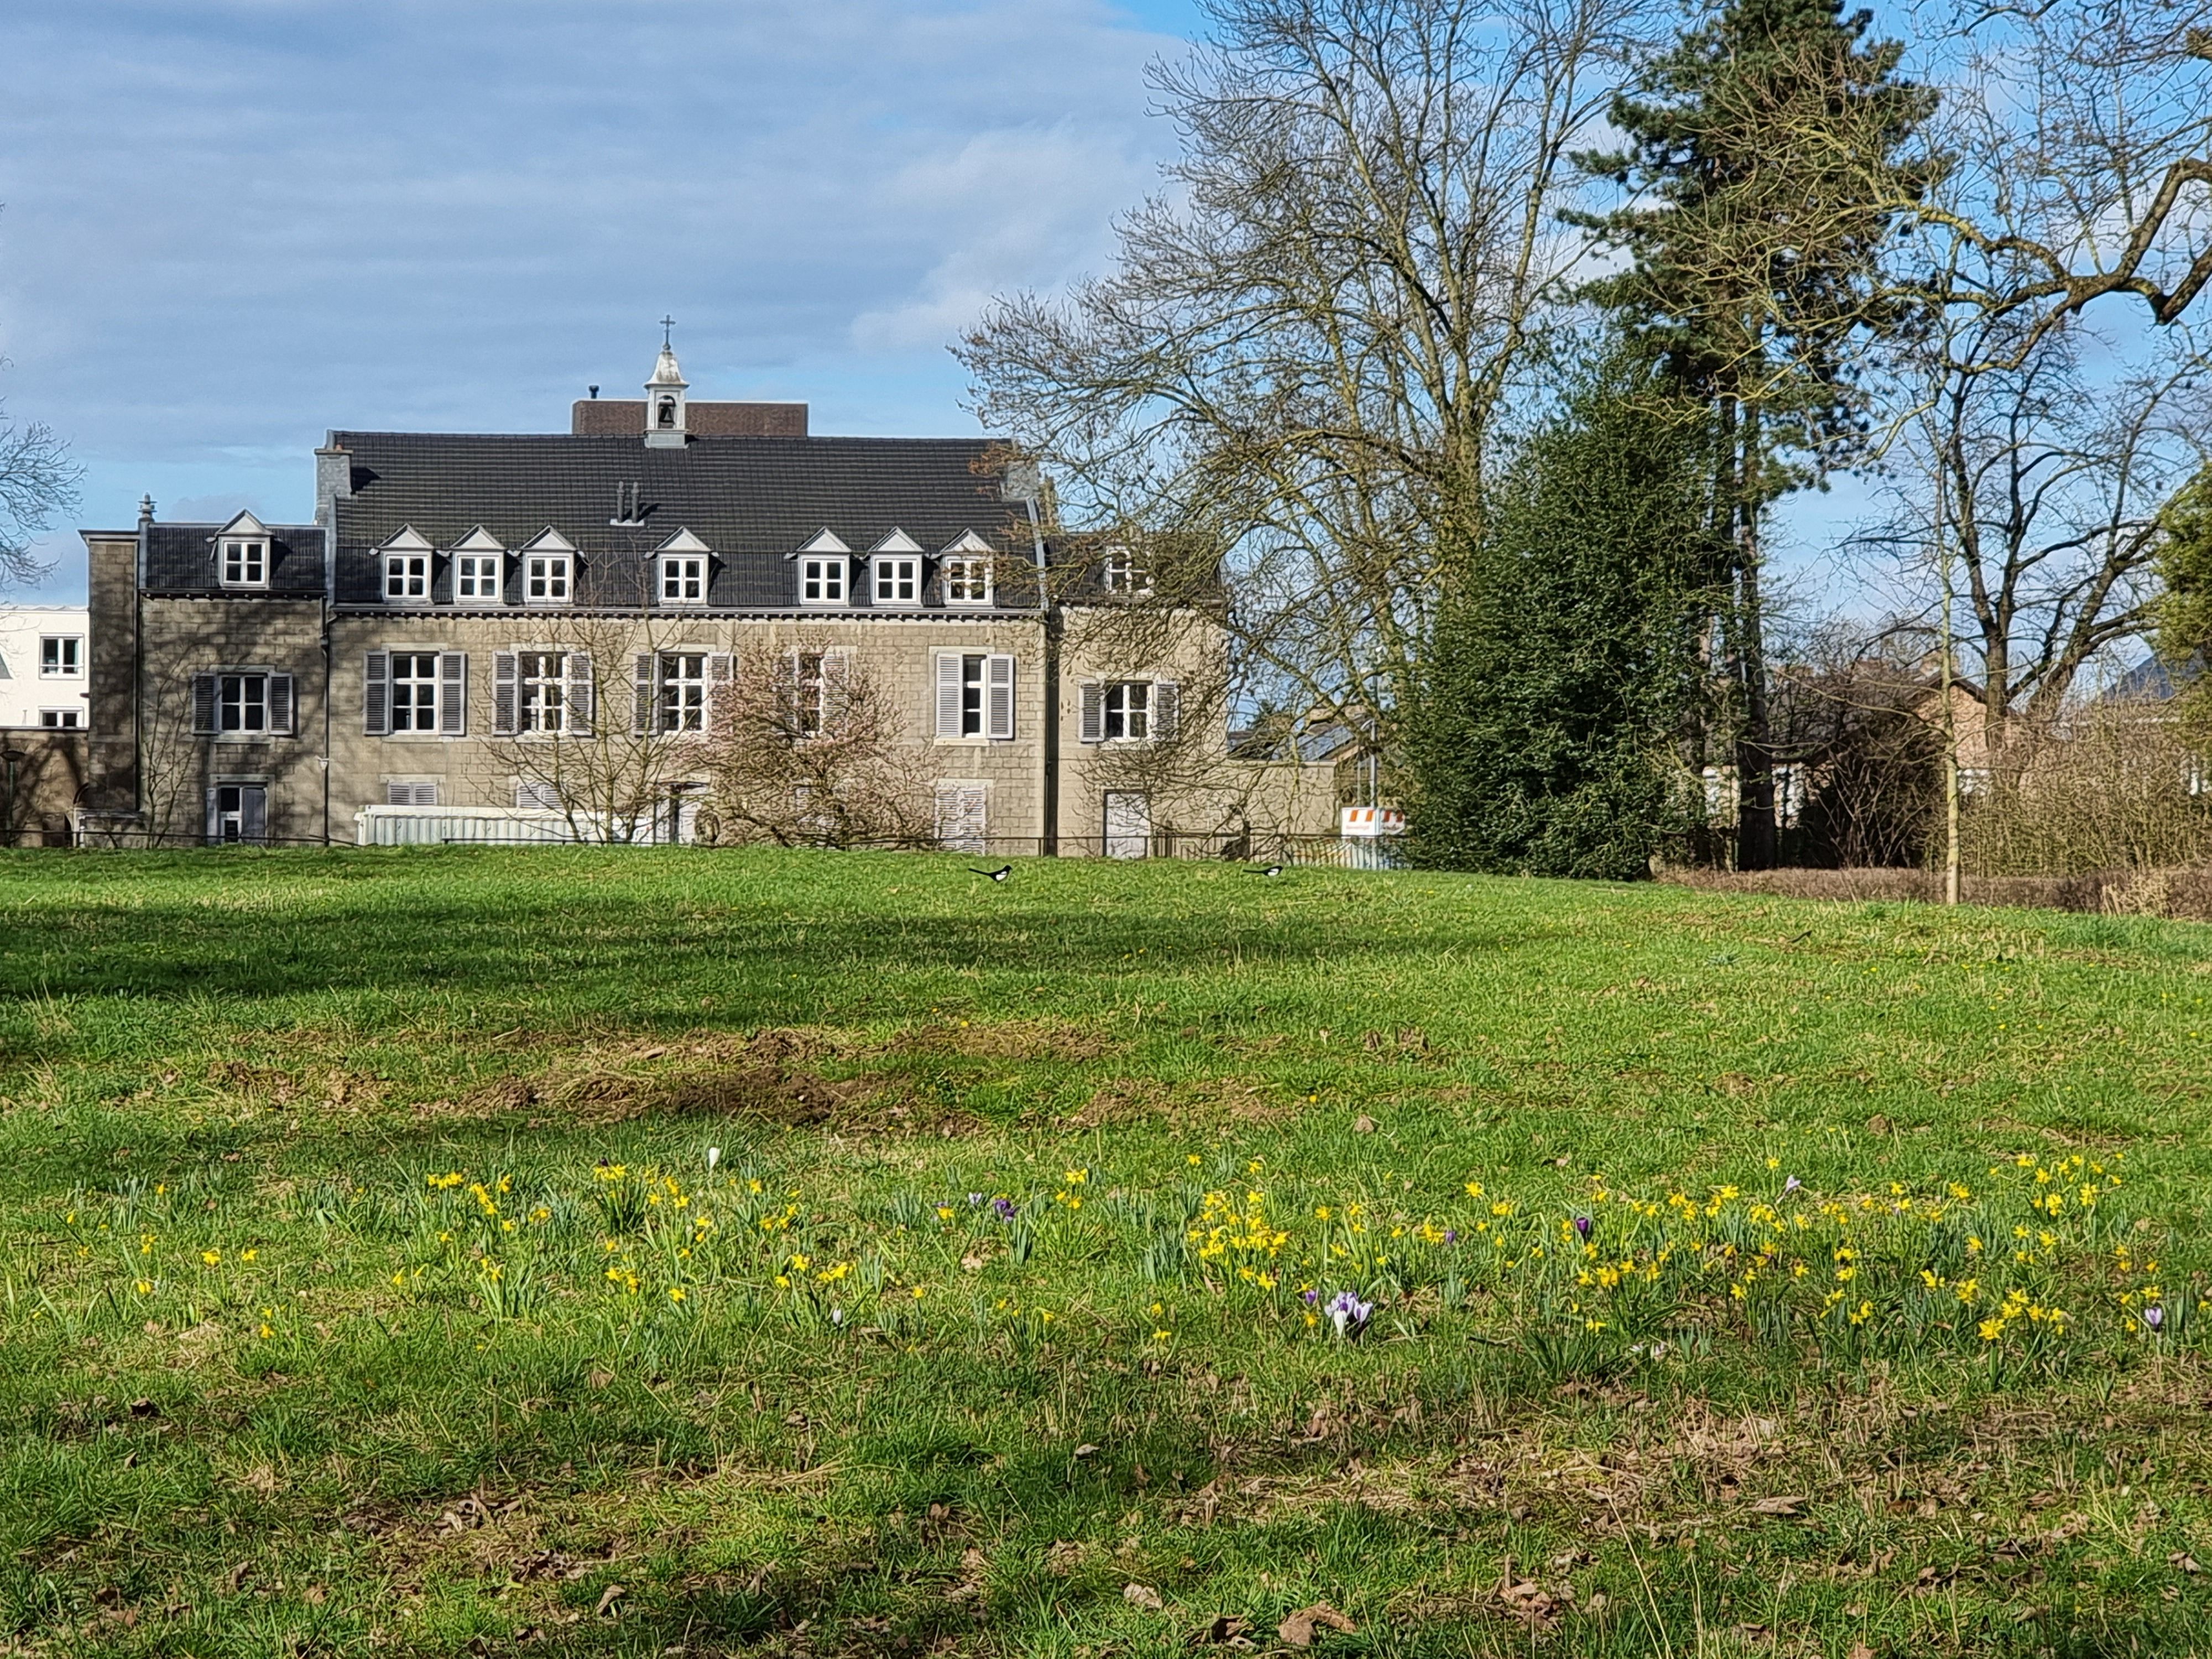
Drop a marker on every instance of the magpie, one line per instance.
(999, 874)
(1271, 871)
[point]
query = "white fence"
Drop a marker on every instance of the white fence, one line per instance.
(433, 826)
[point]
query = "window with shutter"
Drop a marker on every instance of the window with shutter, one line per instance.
(579, 694)
(641, 694)
(503, 693)
(376, 693)
(419, 793)
(836, 687)
(203, 712)
(1167, 710)
(280, 704)
(452, 695)
(960, 817)
(1000, 713)
(1093, 727)
(948, 666)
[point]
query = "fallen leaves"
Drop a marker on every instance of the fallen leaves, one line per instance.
(1142, 1596)
(1299, 1631)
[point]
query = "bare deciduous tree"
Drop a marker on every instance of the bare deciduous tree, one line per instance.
(805, 747)
(1302, 355)
(38, 483)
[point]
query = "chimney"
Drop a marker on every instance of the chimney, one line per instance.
(333, 482)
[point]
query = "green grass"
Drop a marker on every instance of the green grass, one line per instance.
(349, 1198)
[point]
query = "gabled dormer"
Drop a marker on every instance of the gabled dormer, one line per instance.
(895, 571)
(404, 558)
(825, 566)
(242, 553)
(964, 572)
(480, 569)
(549, 568)
(681, 569)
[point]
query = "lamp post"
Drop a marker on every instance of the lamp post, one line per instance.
(13, 757)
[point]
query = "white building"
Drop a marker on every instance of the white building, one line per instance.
(46, 658)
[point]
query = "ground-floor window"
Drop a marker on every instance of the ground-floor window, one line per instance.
(1129, 824)
(238, 812)
(67, 719)
(960, 820)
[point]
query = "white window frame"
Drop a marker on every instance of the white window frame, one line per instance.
(967, 580)
(244, 561)
(250, 690)
(1126, 573)
(480, 578)
(67, 654)
(823, 578)
(407, 579)
(684, 579)
(896, 582)
(810, 694)
(530, 720)
(1130, 703)
(218, 816)
(416, 708)
(960, 811)
(62, 720)
(549, 571)
(679, 698)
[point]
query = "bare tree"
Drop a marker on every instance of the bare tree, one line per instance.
(38, 484)
(1304, 353)
(805, 747)
(601, 722)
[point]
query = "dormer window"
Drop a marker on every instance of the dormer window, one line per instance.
(548, 566)
(822, 579)
(545, 578)
(964, 571)
(682, 579)
(245, 562)
(480, 569)
(1126, 573)
(898, 579)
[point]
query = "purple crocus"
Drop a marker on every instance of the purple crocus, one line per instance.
(1003, 1208)
(1348, 1313)
(1790, 1186)
(1452, 1235)
(1312, 1296)
(2154, 1316)
(1581, 1227)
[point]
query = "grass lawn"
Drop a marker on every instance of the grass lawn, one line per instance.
(563, 1252)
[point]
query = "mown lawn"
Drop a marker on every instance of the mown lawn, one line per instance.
(1738, 1276)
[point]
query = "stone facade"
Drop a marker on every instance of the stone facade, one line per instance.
(267, 681)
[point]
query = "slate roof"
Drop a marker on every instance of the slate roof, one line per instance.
(181, 558)
(754, 501)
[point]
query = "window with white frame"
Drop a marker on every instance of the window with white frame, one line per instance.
(63, 719)
(682, 579)
(414, 690)
(61, 656)
(821, 582)
(967, 580)
(680, 701)
(541, 692)
(476, 578)
(533, 794)
(545, 578)
(245, 562)
(975, 695)
(1128, 711)
(809, 693)
(411, 792)
(1125, 573)
(242, 703)
(898, 580)
(407, 579)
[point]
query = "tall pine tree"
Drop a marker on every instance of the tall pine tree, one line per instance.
(1769, 155)
(1564, 664)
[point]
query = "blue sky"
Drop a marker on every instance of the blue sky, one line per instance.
(229, 225)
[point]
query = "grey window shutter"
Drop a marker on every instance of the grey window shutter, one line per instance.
(1093, 729)
(453, 694)
(376, 693)
(214, 829)
(503, 690)
(253, 813)
(999, 697)
(641, 694)
(1167, 709)
(948, 694)
(836, 685)
(720, 667)
(578, 672)
(204, 708)
(280, 704)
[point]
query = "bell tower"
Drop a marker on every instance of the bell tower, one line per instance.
(664, 397)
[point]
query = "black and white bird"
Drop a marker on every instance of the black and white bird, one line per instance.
(1271, 871)
(999, 874)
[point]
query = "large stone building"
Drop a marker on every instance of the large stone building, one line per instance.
(505, 622)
